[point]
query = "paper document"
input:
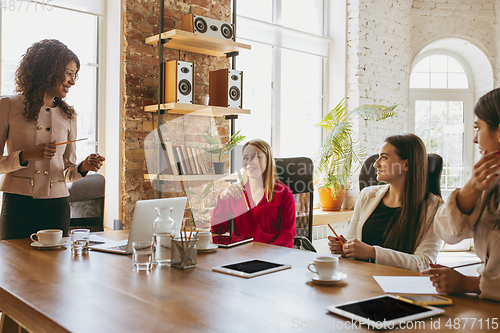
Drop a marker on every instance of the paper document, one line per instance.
(406, 284)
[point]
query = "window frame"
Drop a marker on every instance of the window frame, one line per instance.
(294, 40)
(448, 94)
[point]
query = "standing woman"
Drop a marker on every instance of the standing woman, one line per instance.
(393, 224)
(474, 211)
(35, 169)
(262, 207)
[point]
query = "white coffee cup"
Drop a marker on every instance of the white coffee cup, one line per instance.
(204, 238)
(47, 236)
(325, 267)
(203, 100)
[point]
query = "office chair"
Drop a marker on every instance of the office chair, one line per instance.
(86, 202)
(297, 173)
(368, 173)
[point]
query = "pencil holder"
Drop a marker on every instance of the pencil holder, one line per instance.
(184, 253)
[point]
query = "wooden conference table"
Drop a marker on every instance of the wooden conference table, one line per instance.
(51, 291)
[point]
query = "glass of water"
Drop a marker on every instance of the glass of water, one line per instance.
(80, 241)
(143, 255)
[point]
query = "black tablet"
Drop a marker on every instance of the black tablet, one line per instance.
(383, 312)
(251, 268)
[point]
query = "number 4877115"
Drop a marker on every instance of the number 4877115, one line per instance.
(27, 5)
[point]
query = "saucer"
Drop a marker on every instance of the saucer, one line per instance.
(42, 246)
(210, 248)
(336, 278)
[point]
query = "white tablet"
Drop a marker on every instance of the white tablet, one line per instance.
(251, 268)
(383, 312)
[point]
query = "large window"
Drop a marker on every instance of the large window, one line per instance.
(441, 97)
(26, 24)
(284, 73)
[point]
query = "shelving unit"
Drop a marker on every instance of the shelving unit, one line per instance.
(188, 41)
(191, 42)
(195, 109)
(224, 177)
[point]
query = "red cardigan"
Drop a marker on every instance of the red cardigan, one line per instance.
(268, 222)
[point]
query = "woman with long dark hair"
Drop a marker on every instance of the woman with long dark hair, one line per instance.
(393, 224)
(262, 207)
(32, 122)
(474, 211)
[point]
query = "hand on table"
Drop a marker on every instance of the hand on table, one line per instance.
(234, 190)
(93, 162)
(447, 280)
(43, 151)
(334, 244)
(356, 249)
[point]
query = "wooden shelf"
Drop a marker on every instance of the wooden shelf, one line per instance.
(321, 217)
(196, 109)
(187, 41)
(233, 176)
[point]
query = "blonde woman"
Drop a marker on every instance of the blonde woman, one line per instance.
(262, 207)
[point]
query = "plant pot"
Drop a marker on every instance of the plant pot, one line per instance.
(327, 202)
(219, 167)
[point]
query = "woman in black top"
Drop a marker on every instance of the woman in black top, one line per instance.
(393, 224)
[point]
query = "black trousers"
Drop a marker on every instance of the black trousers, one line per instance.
(22, 215)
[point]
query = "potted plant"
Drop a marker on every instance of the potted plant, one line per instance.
(221, 150)
(341, 150)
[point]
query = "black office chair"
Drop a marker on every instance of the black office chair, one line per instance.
(368, 173)
(297, 173)
(86, 202)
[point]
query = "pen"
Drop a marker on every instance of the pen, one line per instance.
(340, 239)
(63, 143)
(245, 197)
(470, 264)
(96, 242)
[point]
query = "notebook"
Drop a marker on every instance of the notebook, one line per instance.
(142, 223)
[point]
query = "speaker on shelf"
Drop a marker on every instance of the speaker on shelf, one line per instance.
(226, 88)
(179, 82)
(203, 25)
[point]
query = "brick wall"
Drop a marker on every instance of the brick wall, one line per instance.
(385, 36)
(140, 83)
(379, 61)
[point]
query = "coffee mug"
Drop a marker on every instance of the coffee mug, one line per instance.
(325, 267)
(203, 100)
(47, 236)
(204, 238)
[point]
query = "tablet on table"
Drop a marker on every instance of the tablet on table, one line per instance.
(251, 268)
(383, 312)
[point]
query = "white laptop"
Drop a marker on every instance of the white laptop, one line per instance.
(142, 223)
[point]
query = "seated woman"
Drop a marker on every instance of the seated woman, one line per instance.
(474, 211)
(262, 206)
(393, 224)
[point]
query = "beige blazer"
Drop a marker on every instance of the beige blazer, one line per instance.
(39, 179)
(426, 251)
(452, 226)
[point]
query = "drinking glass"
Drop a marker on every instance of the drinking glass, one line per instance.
(143, 255)
(80, 241)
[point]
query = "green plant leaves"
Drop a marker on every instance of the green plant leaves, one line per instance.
(341, 149)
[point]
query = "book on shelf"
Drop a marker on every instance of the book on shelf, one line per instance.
(200, 161)
(195, 158)
(191, 160)
(185, 156)
(171, 166)
(179, 160)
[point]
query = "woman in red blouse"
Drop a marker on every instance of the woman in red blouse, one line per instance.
(262, 206)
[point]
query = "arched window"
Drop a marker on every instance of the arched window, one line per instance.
(441, 97)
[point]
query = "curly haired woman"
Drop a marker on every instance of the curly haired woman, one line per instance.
(31, 123)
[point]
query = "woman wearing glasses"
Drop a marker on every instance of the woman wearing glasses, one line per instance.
(32, 122)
